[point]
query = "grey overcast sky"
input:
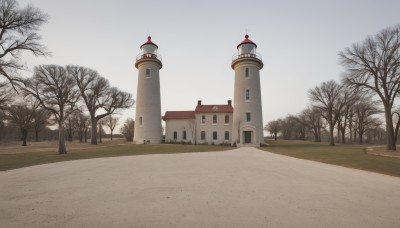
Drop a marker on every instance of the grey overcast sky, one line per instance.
(299, 42)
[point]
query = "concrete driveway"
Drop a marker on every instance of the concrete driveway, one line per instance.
(245, 187)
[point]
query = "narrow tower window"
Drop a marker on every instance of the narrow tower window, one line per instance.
(247, 72)
(141, 121)
(148, 72)
(248, 116)
(214, 118)
(247, 94)
(226, 119)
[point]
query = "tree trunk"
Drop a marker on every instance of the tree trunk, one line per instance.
(100, 134)
(315, 133)
(37, 135)
(338, 132)
(276, 136)
(343, 134)
(360, 137)
(355, 135)
(70, 136)
(93, 140)
(24, 133)
(350, 128)
(111, 135)
(80, 136)
(331, 128)
(391, 141)
(61, 139)
(85, 135)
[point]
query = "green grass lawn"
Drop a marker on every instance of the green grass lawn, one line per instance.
(19, 160)
(353, 156)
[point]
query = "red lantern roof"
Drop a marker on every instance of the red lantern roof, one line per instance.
(247, 41)
(149, 42)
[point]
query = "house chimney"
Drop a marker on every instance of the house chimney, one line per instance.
(199, 102)
(230, 102)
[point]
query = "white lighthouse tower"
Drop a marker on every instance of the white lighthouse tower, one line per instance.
(148, 100)
(247, 113)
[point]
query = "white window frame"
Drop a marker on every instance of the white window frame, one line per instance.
(215, 133)
(201, 135)
(229, 119)
(216, 119)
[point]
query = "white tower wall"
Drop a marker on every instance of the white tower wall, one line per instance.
(148, 127)
(247, 97)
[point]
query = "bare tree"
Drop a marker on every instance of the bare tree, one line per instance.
(350, 119)
(6, 95)
(3, 118)
(330, 98)
(98, 95)
(345, 120)
(100, 129)
(56, 91)
(71, 125)
(128, 129)
(312, 117)
(83, 125)
(21, 115)
(40, 121)
(287, 127)
(18, 34)
(365, 109)
(299, 128)
(111, 123)
(376, 135)
(273, 127)
(374, 65)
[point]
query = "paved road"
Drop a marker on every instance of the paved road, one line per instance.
(245, 187)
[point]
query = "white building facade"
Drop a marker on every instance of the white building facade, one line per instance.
(207, 124)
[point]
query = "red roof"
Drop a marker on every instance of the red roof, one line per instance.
(149, 42)
(214, 108)
(179, 115)
(246, 41)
